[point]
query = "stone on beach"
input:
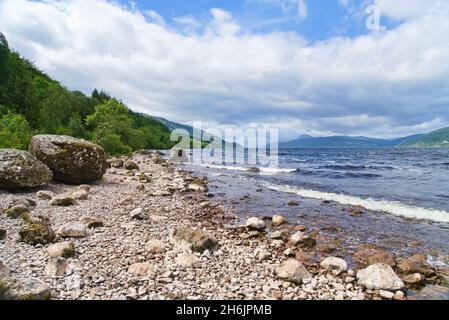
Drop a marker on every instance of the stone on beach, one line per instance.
(137, 214)
(32, 218)
(24, 289)
(186, 260)
(56, 267)
(199, 185)
(35, 234)
(63, 201)
(130, 165)
(16, 211)
(293, 203)
(2, 234)
(278, 220)
(45, 195)
(73, 230)
(80, 195)
(64, 249)
(302, 240)
(292, 271)
(19, 169)
(334, 263)
(72, 160)
(255, 223)
(4, 271)
(191, 239)
(141, 269)
(379, 276)
(91, 222)
(155, 246)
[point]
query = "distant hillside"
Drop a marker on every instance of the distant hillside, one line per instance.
(174, 125)
(344, 142)
(435, 139)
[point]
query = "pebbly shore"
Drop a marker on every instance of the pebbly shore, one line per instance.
(150, 230)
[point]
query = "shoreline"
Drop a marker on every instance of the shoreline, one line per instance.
(134, 254)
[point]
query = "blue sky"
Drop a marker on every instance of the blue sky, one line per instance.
(314, 67)
(325, 18)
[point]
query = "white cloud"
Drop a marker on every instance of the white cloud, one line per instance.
(154, 17)
(405, 9)
(299, 7)
(383, 84)
(188, 22)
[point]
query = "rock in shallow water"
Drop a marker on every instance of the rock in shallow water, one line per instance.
(71, 160)
(367, 257)
(278, 220)
(20, 169)
(255, 223)
(416, 264)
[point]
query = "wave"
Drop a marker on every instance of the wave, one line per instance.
(262, 170)
(356, 167)
(392, 207)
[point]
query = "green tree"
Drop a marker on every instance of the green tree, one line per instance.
(113, 145)
(15, 131)
(111, 125)
(4, 54)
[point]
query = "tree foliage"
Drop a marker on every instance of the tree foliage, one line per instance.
(33, 102)
(15, 132)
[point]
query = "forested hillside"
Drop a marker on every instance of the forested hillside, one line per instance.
(31, 103)
(435, 139)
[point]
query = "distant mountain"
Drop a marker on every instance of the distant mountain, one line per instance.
(435, 139)
(345, 142)
(174, 125)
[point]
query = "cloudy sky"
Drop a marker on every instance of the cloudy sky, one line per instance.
(319, 67)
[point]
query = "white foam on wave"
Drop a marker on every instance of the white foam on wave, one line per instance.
(392, 207)
(263, 170)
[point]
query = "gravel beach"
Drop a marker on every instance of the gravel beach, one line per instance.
(149, 230)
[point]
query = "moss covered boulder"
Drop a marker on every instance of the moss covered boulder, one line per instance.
(20, 169)
(35, 234)
(72, 160)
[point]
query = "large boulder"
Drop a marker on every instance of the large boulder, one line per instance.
(380, 276)
(20, 169)
(72, 160)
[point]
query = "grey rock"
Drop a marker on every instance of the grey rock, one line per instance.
(71, 160)
(20, 169)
